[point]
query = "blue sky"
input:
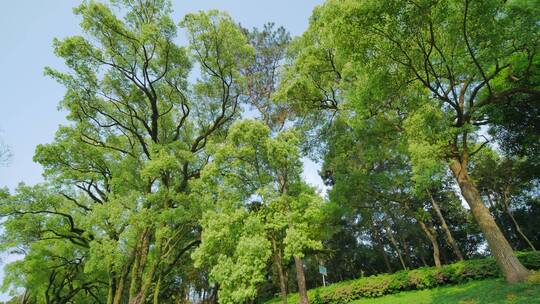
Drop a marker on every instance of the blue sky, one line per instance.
(28, 100)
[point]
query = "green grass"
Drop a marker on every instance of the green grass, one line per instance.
(466, 282)
(475, 292)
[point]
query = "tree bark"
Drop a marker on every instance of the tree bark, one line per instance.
(446, 230)
(119, 292)
(432, 236)
(509, 264)
(300, 276)
(278, 260)
(137, 291)
(156, 290)
(301, 279)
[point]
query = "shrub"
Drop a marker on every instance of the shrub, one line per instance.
(416, 279)
(531, 260)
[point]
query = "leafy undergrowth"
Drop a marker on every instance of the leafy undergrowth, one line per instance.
(492, 291)
(417, 279)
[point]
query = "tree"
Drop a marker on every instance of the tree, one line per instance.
(367, 163)
(441, 64)
(505, 183)
(450, 238)
(260, 208)
(121, 173)
(264, 74)
(41, 226)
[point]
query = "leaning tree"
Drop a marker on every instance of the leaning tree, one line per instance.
(439, 65)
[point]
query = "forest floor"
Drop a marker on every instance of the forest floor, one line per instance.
(493, 291)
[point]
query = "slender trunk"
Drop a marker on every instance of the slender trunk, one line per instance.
(112, 288)
(278, 260)
(518, 227)
(301, 279)
(386, 260)
(119, 292)
(404, 243)
(156, 290)
(446, 230)
(123, 278)
(509, 264)
(300, 276)
(136, 290)
(380, 247)
(432, 236)
(138, 265)
(444, 257)
(423, 260)
(145, 286)
(406, 250)
(396, 247)
(490, 201)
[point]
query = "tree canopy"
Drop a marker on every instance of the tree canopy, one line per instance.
(179, 175)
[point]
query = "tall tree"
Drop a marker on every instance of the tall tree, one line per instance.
(450, 238)
(121, 172)
(264, 74)
(257, 190)
(505, 183)
(442, 64)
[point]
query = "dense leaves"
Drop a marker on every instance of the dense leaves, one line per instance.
(173, 185)
(417, 279)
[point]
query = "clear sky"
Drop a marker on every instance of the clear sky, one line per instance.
(28, 100)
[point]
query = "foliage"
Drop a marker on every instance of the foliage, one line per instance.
(429, 72)
(417, 279)
(259, 205)
(156, 191)
(118, 207)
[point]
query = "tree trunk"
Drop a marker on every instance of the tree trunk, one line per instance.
(432, 236)
(138, 288)
(156, 290)
(423, 260)
(380, 246)
(123, 278)
(386, 260)
(518, 227)
(112, 287)
(278, 260)
(301, 278)
(509, 264)
(396, 247)
(119, 292)
(406, 250)
(447, 231)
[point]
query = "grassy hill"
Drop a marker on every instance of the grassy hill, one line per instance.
(475, 281)
(491, 291)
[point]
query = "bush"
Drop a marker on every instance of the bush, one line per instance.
(416, 279)
(531, 260)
